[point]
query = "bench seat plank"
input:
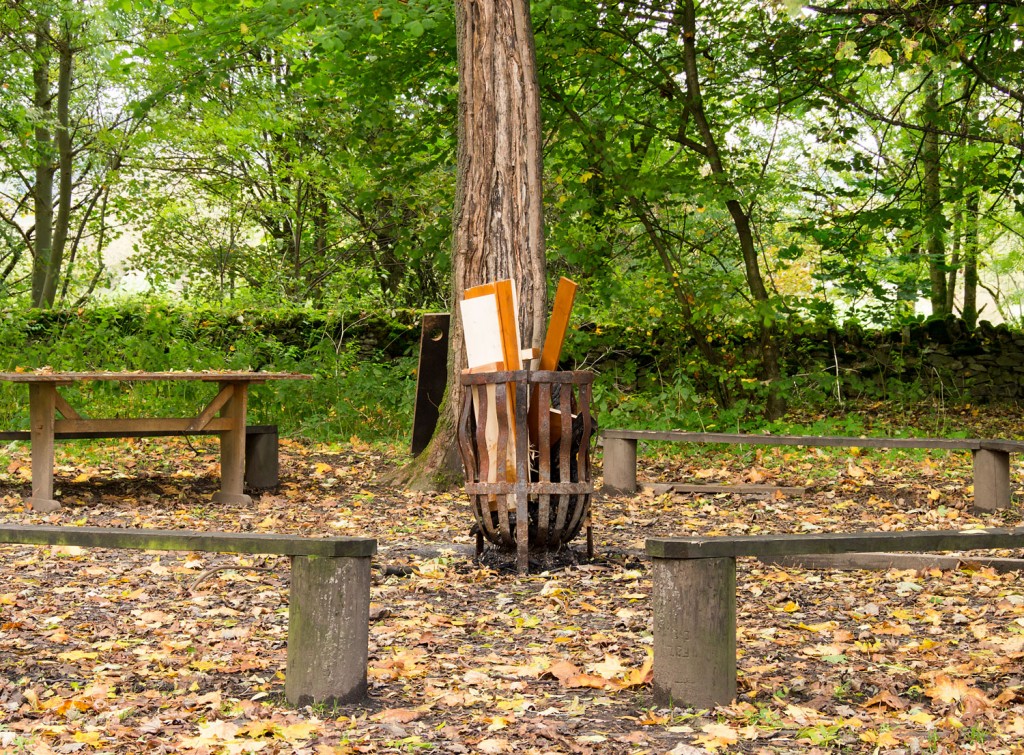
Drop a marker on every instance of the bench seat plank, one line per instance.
(133, 433)
(830, 441)
(188, 540)
(834, 542)
(116, 427)
(1008, 446)
(214, 376)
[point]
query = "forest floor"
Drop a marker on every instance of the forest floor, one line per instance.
(144, 652)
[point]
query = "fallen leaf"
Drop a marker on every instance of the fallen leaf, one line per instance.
(91, 738)
(887, 699)
(493, 746)
(397, 715)
(717, 736)
(970, 700)
(300, 731)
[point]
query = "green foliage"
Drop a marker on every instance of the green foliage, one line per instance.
(304, 152)
(312, 146)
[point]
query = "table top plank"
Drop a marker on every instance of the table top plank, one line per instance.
(214, 376)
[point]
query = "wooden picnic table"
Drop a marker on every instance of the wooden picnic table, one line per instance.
(225, 415)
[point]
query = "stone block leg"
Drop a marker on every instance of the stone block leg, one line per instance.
(261, 461)
(328, 630)
(620, 465)
(694, 604)
(991, 480)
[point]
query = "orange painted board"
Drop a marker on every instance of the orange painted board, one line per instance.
(482, 290)
(508, 317)
(558, 324)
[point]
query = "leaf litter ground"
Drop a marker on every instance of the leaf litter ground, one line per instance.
(130, 652)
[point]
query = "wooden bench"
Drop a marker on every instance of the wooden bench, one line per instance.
(694, 597)
(991, 457)
(262, 467)
(328, 624)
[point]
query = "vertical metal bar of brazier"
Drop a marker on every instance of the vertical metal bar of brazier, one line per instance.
(328, 630)
(694, 604)
(522, 477)
(542, 396)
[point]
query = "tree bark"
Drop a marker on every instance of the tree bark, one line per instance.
(64, 166)
(956, 239)
(970, 259)
(498, 229)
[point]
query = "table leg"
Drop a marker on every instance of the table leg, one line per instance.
(232, 447)
(42, 402)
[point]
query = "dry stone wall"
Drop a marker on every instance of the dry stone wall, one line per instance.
(983, 366)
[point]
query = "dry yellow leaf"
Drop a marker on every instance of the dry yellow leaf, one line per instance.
(879, 738)
(78, 655)
(717, 736)
(920, 717)
(298, 732)
(91, 738)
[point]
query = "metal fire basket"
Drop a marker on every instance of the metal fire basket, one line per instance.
(534, 470)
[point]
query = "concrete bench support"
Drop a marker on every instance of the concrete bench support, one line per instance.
(694, 597)
(694, 631)
(991, 457)
(991, 479)
(328, 630)
(619, 464)
(261, 460)
(328, 615)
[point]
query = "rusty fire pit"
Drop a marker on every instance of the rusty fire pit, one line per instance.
(536, 469)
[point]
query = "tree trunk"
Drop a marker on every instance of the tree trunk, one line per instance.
(955, 255)
(970, 259)
(771, 371)
(43, 190)
(498, 229)
(65, 159)
(52, 223)
(934, 219)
